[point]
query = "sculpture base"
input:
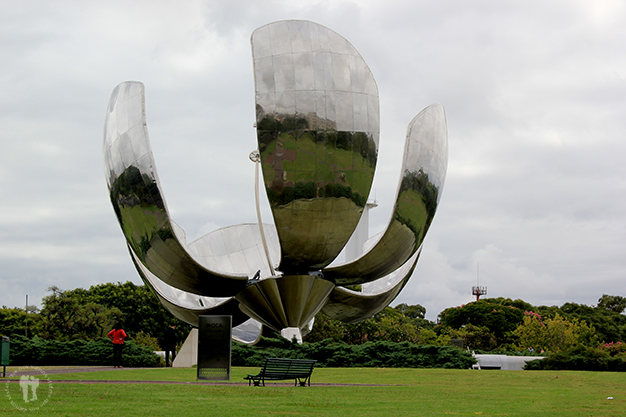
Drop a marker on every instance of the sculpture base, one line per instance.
(292, 332)
(188, 354)
(288, 302)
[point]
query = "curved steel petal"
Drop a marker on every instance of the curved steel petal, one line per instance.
(237, 249)
(139, 204)
(351, 306)
(421, 183)
(189, 307)
(248, 332)
(318, 129)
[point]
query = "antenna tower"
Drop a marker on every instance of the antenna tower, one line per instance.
(478, 290)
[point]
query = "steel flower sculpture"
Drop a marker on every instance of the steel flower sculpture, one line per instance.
(318, 133)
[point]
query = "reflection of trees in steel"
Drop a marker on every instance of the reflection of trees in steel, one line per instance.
(333, 160)
(317, 132)
(133, 185)
(134, 195)
(272, 125)
(417, 184)
(309, 190)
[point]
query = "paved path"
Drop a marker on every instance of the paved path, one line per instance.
(15, 371)
(223, 383)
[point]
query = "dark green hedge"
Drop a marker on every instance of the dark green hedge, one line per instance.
(38, 351)
(579, 358)
(329, 353)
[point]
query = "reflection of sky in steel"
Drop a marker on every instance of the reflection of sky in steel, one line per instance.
(318, 128)
(318, 133)
(415, 205)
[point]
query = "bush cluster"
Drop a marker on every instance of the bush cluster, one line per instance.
(329, 353)
(579, 358)
(41, 352)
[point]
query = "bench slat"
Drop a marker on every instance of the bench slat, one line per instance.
(280, 369)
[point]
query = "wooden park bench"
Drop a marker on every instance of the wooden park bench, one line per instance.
(275, 369)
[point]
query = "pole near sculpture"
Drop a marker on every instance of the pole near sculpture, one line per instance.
(255, 157)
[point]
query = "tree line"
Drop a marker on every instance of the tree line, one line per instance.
(493, 324)
(89, 314)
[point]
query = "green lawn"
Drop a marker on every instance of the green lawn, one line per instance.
(408, 392)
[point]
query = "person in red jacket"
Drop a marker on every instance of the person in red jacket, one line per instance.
(117, 335)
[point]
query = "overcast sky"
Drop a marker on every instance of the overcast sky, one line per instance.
(534, 203)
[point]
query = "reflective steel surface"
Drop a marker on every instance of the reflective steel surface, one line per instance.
(421, 182)
(237, 250)
(189, 307)
(317, 129)
(352, 306)
(136, 196)
(317, 133)
(289, 301)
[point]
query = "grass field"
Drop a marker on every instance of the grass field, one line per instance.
(404, 392)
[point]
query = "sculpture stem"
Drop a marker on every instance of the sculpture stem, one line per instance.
(257, 163)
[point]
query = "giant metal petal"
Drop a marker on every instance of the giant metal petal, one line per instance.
(421, 182)
(318, 129)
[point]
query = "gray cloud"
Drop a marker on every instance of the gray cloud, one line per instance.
(534, 94)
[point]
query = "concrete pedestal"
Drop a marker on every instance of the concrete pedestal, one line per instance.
(290, 332)
(188, 354)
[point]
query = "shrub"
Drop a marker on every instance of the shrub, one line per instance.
(371, 354)
(553, 334)
(144, 339)
(38, 351)
(613, 348)
(579, 358)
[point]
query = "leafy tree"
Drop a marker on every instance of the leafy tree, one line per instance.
(531, 332)
(14, 321)
(428, 337)
(90, 313)
(65, 318)
(613, 303)
(548, 311)
(361, 332)
(488, 324)
(416, 315)
(479, 338)
(474, 337)
(411, 311)
(394, 329)
(144, 339)
(139, 309)
(401, 323)
(326, 328)
(521, 304)
(610, 325)
(553, 334)
(498, 319)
